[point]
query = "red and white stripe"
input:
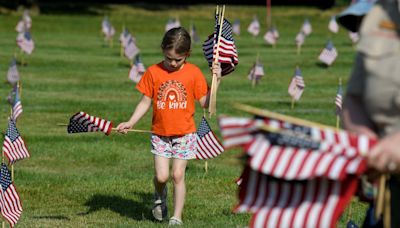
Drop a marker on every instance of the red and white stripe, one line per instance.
(208, 147)
(94, 123)
(10, 204)
(17, 110)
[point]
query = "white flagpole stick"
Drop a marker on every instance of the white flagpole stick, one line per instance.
(212, 109)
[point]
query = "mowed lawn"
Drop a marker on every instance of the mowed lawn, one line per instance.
(92, 180)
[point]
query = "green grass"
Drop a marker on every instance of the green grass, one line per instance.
(90, 180)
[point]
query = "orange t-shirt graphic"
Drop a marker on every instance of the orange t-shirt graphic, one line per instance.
(174, 95)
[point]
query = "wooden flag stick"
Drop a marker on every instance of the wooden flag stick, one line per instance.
(212, 109)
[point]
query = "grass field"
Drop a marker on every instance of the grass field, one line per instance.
(91, 180)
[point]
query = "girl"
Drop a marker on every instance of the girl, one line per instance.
(173, 85)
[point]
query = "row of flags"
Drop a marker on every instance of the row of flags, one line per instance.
(295, 174)
(208, 144)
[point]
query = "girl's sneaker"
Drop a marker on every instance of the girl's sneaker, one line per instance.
(160, 210)
(173, 221)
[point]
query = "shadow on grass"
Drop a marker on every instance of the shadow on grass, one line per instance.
(55, 217)
(125, 207)
(321, 65)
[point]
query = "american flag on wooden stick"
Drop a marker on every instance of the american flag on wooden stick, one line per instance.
(333, 25)
(208, 145)
(25, 42)
(236, 27)
(107, 28)
(227, 54)
(300, 37)
(137, 70)
(256, 72)
(131, 50)
(125, 37)
(12, 73)
(295, 175)
(328, 54)
(254, 27)
(306, 27)
(16, 104)
(10, 203)
(296, 86)
(14, 146)
(83, 122)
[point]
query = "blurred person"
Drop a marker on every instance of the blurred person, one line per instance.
(171, 87)
(372, 102)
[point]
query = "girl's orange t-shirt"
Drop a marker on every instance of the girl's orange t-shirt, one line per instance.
(174, 95)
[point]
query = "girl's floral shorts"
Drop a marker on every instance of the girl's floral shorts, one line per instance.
(180, 147)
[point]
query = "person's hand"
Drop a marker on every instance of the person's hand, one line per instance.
(385, 155)
(124, 127)
(216, 69)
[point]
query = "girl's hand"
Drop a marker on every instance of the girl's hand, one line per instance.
(124, 127)
(216, 69)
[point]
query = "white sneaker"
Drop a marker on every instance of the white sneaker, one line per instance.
(160, 210)
(173, 221)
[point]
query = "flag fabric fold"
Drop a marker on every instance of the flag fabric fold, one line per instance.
(208, 145)
(295, 175)
(83, 122)
(10, 203)
(14, 146)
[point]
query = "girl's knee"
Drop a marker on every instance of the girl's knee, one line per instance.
(161, 178)
(178, 176)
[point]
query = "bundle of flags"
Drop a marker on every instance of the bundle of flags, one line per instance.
(256, 72)
(296, 86)
(25, 42)
(306, 28)
(254, 27)
(10, 204)
(333, 25)
(236, 27)
(107, 29)
(14, 146)
(227, 52)
(83, 122)
(328, 54)
(208, 145)
(296, 174)
(15, 102)
(137, 70)
(172, 23)
(131, 50)
(12, 73)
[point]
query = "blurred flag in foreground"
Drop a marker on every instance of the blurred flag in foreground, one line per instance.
(12, 73)
(10, 203)
(83, 122)
(328, 54)
(254, 27)
(14, 146)
(25, 42)
(296, 86)
(208, 145)
(137, 70)
(295, 175)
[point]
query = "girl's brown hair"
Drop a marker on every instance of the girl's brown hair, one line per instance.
(177, 39)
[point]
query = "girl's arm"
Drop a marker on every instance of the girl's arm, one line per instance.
(141, 109)
(215, 69)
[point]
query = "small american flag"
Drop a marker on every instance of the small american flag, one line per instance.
(172, 23)
(27, 20)
(25, 42)
(208, 145)
(10, 203)
(20, 27)
(228, 56)
(193, 34)
(306, 28)
(328, 54)
(107, 28)
(131, 50)
(14, 146)
(338, 99)
(256, 72)
(354, 37)
(137, 70)
(16, 104)
(254, 27)
(83, 122)
(124, 37)
(270, 37)
(296, 86)
(236, 27)
(300, 37)
(333, 25)
(12, 73)
(299, 177)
